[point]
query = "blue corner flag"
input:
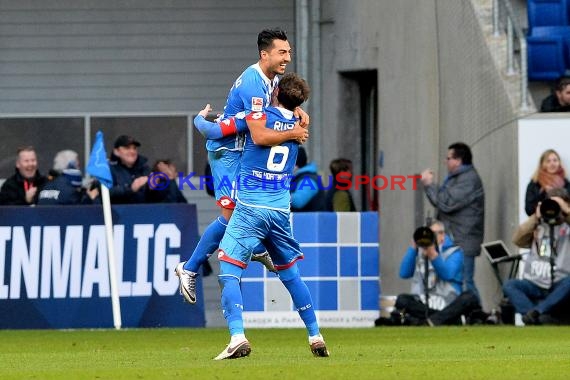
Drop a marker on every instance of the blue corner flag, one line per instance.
(98, 166)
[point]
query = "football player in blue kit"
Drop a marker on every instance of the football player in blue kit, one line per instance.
(262, 215)
(251, 92)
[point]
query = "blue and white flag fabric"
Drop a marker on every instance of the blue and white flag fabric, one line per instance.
(98, 166)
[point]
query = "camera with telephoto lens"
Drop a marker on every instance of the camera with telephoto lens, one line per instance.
(551, 212)
(424, 237)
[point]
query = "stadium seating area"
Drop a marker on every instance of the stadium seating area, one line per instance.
(548, 39)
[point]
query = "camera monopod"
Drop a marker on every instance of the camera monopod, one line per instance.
(424, 238)
(550, 212)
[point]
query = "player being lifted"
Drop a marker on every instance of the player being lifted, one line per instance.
(251, 92)
(262, 215)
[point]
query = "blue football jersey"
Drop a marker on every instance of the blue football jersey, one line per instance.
(251, 92)
(266, 172)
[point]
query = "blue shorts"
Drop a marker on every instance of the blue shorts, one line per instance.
(249, 226)
(225, 165)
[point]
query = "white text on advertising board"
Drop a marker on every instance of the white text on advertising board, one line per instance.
(49, 269)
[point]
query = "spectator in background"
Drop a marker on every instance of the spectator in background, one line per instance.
(337, 199)
(460, 204)
(550, 174)
(559, 100)
(65, 187)
(307, 193)
(542, 295)
(129, 170)
(157, 192)
(21, 189)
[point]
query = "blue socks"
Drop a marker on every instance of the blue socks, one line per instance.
(232, 301)
(208, 243)
(301, 298)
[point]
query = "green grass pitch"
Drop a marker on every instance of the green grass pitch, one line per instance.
(480, 352)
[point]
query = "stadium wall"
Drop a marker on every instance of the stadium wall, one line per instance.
(137, 64)
(117, 56)
(437, 84)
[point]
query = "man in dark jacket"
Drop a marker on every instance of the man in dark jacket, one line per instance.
(559, 100)
(460, 203)
(129, 170)
(22, 188)
(307, 192)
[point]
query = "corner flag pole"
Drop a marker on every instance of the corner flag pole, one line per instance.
(99, 168)
(111, 256)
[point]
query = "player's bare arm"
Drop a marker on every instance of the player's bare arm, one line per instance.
(302, 116)
(261, 135)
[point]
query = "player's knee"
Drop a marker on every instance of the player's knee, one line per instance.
(230, 269)
(290, 273)
(224, 280)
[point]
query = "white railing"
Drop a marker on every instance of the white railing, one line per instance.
(514, 34)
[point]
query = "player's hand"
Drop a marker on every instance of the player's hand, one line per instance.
(300, 134)
(303, 117)
(205, 111)
(303, 140)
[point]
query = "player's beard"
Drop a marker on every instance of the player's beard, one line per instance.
(278, 69)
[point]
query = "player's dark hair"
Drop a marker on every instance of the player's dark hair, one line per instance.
(265, 38)
(293, 91)
(462, 151)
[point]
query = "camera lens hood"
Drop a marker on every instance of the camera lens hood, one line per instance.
(550, 211)
(424, 237)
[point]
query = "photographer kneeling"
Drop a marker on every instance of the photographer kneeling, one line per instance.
(442, 287)
(543, 293)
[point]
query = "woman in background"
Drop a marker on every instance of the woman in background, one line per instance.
(550, 174)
